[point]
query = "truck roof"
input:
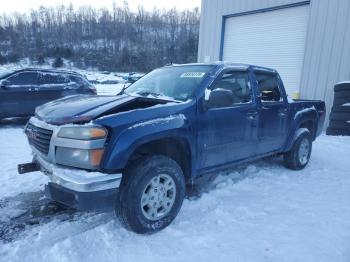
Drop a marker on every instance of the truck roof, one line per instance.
(240, 66)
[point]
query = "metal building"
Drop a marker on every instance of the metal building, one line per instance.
(308, 42)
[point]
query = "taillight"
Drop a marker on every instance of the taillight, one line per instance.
(93, 90)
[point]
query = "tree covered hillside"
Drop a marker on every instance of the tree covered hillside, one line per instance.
(116, 39)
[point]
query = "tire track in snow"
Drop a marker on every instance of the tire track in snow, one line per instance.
(20, 213)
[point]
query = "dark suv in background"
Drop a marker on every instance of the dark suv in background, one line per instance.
(21, 91)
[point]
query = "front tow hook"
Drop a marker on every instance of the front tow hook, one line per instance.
(28, 167)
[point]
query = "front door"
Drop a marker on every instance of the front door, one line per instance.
(19, 95)
(228, 134)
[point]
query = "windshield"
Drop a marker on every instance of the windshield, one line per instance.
(175, 83)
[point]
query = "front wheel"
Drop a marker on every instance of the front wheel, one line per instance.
(150, 195)
(299, 155)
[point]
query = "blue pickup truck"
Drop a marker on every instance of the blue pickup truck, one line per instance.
(166, 136)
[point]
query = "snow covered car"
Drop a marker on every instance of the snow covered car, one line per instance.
(166, 135)
(23, 90)
(132, 77)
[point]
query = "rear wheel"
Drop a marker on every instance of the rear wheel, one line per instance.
(298, 157)
(151, 195)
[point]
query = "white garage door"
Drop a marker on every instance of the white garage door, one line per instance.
(273, 39)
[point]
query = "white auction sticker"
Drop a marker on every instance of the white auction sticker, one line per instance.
(193, 74)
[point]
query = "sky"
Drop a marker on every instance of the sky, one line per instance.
(9, 6)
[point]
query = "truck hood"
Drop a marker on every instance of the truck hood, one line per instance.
(81, 109)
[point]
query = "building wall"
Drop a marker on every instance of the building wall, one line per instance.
(212, 12)
(327, 51)
(327, 48)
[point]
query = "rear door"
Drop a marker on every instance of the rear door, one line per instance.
(19, 96)
(229, 134)
(273, 112)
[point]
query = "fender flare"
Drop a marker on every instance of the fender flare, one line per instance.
(302, 116)
(174, 126)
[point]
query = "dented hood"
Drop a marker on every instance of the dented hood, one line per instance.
(83, 108)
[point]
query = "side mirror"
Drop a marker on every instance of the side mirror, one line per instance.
(220, 97)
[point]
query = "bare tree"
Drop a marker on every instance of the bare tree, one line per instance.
(116, 39)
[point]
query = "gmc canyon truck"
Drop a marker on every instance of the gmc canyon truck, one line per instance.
(165, 136)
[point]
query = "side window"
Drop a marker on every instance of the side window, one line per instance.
(75, 80)
(53, 79)
(268, 87)
(23, 79)
(238, 83)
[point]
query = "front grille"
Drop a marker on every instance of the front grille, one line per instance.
(39, 137)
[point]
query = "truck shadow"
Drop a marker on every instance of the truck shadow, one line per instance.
(236, 175)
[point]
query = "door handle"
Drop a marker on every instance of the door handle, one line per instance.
(282, 112)
(252, 115)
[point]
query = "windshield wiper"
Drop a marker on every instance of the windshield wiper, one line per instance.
(155, 95)
(147, 93)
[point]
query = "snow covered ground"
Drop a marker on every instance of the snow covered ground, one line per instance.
(258, 212)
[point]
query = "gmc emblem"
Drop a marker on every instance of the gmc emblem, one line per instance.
(31, 133)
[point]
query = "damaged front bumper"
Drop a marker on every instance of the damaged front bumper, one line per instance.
(78, 188)
(79, 180)
(71, 186)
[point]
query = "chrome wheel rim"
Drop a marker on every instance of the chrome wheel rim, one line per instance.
(158, 197)
(304, 151)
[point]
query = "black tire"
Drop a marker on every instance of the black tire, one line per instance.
(342, 94)
(341, 101)
(342, 87)
(292, 158)
(344, 125)
(339, 109)
(339, 116)
(128, 208)
(337, 132)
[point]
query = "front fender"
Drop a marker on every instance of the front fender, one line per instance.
(119, 152)
(306, 114)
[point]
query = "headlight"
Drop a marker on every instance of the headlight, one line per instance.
(83, 132)
(83, 158)
(78, 157)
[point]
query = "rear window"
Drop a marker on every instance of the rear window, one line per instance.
(53, 79)
(79, 80)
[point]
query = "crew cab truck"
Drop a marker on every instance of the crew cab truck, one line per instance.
(141, 151)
